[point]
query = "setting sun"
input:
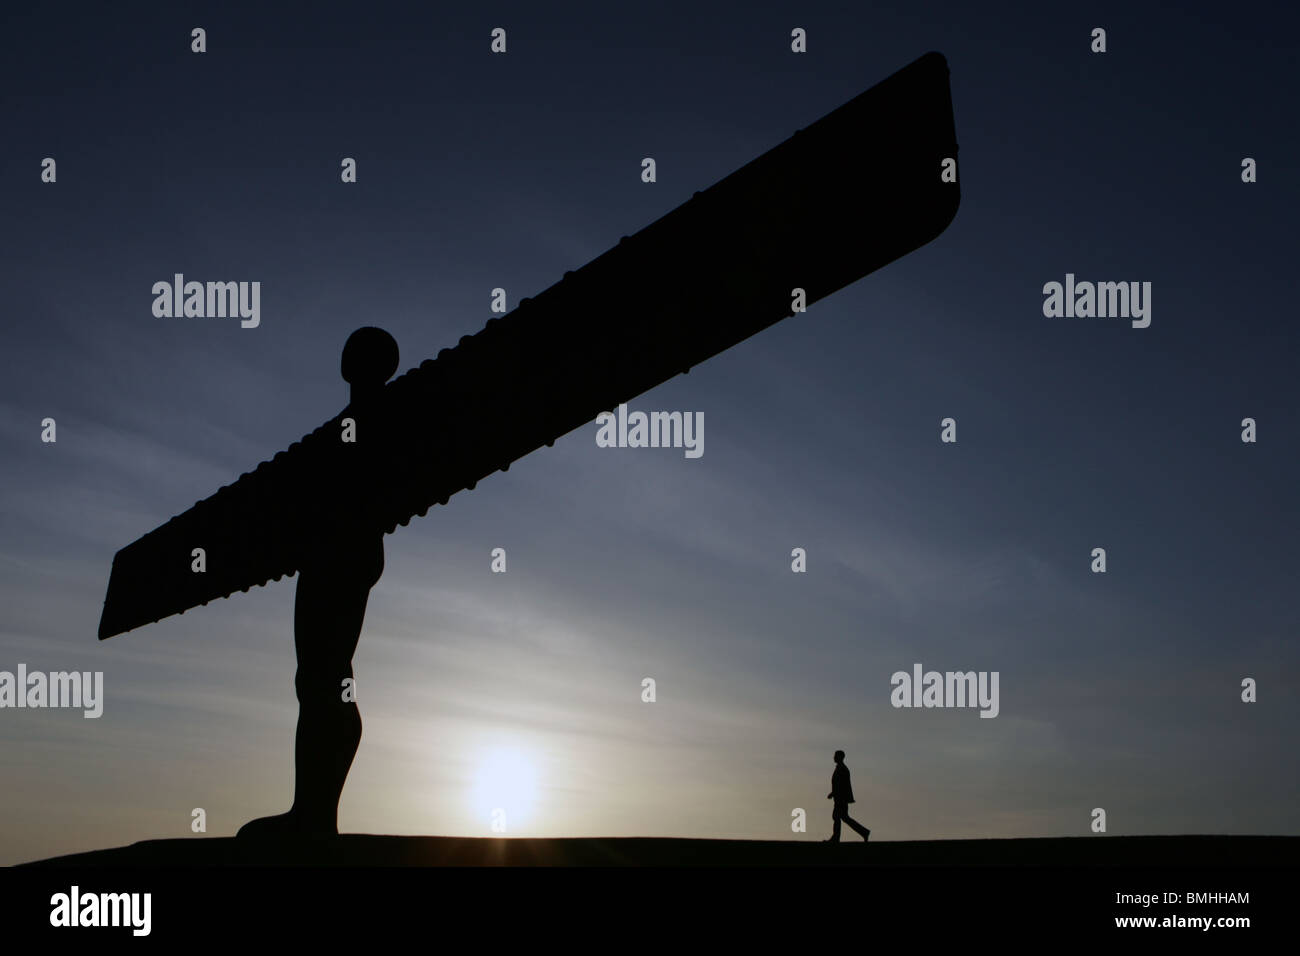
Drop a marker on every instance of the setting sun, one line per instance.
(505, 787)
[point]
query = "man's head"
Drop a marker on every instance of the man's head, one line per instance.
(839, 756)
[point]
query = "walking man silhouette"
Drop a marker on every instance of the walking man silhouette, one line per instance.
(842, 794)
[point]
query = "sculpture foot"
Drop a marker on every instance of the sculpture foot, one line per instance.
(283, 826)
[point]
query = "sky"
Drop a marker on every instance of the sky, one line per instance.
(1119, 690)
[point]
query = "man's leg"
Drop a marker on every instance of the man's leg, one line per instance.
(858, 827)
(835, 833)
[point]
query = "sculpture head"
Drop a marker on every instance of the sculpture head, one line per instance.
(370, 358)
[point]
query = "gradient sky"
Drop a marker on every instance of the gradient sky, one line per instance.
(475, 171)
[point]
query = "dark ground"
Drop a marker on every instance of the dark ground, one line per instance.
(368, 850)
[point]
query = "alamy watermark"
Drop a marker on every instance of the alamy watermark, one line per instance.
(75, 908)
(78, 689)
(1122, 300)
(211, 300)
(949, 689)
(655, 430)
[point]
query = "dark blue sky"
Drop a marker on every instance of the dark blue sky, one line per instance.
(477, 171)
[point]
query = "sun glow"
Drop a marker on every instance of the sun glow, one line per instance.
(505, 787)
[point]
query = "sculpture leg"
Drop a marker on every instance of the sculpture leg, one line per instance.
(329, 611)
(327, 624)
